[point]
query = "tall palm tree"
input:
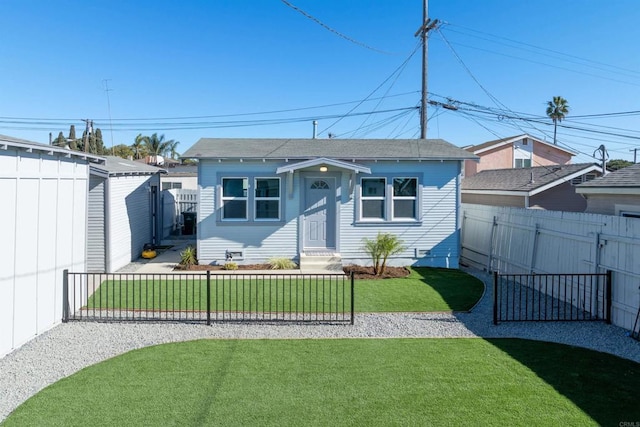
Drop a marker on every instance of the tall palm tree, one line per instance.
(157, 146)
(138, 146)
(172, 149)
(557, 109)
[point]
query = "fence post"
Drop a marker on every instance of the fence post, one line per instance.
(65, 295)
(495, 297)
(609, 283)
(208, 297)
(353, 305)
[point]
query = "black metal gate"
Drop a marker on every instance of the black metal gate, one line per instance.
(551, 297)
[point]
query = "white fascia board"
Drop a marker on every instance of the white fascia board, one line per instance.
(497, 192)
(565, 179)
(324, 161)
(609, 190)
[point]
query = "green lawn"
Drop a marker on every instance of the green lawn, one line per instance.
(426, 289)
(357, 382)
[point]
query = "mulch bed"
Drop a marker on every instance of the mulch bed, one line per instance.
(359, 271)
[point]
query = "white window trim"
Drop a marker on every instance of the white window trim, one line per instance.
(364, 198)
(229, 198)
(256, 199)
(414, 198)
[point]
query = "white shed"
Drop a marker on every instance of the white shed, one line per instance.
(124, 212)
(44, 192)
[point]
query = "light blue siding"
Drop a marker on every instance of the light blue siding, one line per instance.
(436, 232)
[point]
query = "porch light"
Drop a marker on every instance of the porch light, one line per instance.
(323, 168)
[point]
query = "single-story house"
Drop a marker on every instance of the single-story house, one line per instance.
(180, 177)
(300, 198)
(514, 152)
(44, 190)
(124, 212)
(543, 187)
(617, 193)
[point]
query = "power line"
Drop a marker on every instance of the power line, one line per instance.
(339, 34)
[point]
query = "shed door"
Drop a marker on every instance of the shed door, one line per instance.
(319, 214)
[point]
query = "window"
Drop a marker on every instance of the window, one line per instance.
(234, 198)
(405, 191)
(523, 163)
(373, 198)
(267, 199)
(170, 185)
(389, 199)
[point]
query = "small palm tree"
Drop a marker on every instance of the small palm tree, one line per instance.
(557, 109)
(385, 245)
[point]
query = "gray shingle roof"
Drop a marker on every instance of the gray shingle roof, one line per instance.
(520, 179)
(625, 177)
(116, 165)
(404, 149)
(496, 142)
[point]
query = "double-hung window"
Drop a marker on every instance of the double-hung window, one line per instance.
(234, 198)
(389, 199)
(405, 192)
(373, 199)
(267, 199)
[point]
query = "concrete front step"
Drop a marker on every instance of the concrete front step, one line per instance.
(321, 263)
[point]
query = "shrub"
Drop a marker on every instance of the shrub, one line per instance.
(188, 257)
(281, 263)
(230, 266)
(385, 245)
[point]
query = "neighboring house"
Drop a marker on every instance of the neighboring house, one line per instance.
(543, 187)
(124, 212)
(295, 198)
(44, 218)
(180, 177)
(522, 151)
(617, 193)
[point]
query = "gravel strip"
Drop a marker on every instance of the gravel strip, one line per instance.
(69, 347)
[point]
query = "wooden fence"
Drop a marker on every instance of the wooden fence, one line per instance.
(524, 241)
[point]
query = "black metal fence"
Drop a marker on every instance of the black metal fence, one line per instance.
(551, 297)
(207, 297)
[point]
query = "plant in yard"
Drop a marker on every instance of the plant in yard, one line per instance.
(188, 257)
(380, 249)
(230, 266)
(281, 263)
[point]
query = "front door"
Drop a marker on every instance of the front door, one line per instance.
(319, 213)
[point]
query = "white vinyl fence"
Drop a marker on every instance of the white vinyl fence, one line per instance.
(515, 240)
(175, 203)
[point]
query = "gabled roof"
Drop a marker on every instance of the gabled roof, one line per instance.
(524, 181)
(625, 178)
(30, 146)
(118, 166)
(346, 149)
(323, 161)
(496, 143)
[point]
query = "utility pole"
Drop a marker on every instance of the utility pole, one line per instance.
(88, 131)
(635, 154)
(107, 90)
(427, 25)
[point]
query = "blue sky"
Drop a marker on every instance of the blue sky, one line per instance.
(193, 69)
